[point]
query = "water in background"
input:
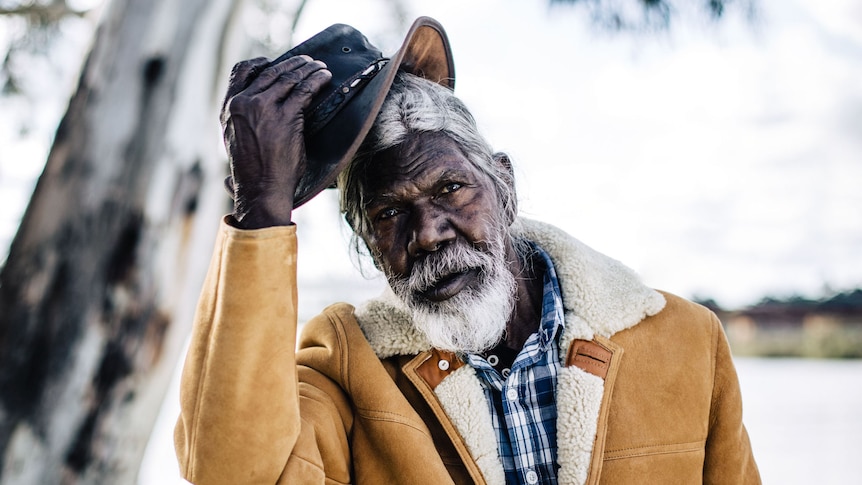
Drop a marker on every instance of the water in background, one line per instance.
(804, 418)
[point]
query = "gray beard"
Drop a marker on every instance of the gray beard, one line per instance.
(473, 320)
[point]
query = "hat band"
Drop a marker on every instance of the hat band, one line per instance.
(329, 107)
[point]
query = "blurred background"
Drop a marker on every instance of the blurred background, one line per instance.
(713, 146)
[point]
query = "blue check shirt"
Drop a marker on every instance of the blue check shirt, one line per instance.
(523, 400)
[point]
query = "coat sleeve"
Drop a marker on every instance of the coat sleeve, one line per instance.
(729, 458)
(240, 395)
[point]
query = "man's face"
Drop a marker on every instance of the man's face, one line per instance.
(438, 233)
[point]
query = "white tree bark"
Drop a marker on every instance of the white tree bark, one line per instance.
(101, 279)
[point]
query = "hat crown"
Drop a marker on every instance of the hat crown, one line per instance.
(344, 50)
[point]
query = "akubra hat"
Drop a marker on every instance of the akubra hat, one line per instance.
(342, 113)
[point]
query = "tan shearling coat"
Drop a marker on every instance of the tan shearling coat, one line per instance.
(648, 393)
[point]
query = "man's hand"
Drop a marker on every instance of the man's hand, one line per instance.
(262, 122)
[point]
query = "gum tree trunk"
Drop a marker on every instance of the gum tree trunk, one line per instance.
(97, 291)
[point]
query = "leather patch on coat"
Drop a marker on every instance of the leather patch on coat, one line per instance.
(438, 366)
(590, 357)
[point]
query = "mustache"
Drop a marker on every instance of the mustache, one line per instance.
(458, 257)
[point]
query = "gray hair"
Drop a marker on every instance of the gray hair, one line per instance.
(416, 105)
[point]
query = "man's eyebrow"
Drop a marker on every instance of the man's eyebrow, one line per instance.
(384, 198)
(380, 199)
(455, 173)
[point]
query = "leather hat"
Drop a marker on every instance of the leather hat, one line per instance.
(342, 113)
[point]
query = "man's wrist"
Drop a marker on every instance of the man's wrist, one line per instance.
(251, 222)
(257, 215)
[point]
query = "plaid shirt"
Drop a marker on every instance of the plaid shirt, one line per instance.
(523, 403)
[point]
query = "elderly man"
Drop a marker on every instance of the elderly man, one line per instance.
(505, 351)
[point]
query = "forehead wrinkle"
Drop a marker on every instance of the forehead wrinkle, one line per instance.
(414, 165)
(414, 161)
(426, 145)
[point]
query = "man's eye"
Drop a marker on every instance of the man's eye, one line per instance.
(449, 188)
(387, 213)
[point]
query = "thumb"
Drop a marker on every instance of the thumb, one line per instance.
(229, 186)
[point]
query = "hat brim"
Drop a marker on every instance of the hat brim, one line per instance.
(424, 52)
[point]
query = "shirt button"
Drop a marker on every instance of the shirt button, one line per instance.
(443, 364)
(512, 394)
(532, 477)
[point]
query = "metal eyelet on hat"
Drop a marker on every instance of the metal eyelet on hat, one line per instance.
(345, 49)
(333, 104)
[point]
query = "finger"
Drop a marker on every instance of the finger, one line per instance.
(243, 73)
(305, 90)
(291, 71)
(288, 81)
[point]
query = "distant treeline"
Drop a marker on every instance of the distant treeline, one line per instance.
(848, 302)
(829, 327)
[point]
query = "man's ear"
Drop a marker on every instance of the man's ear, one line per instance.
(503, 161)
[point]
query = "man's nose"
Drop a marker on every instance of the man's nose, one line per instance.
(430, 231)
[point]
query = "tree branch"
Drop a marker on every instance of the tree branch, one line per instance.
(48, 13)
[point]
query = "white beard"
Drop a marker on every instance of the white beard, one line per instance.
(473, 320)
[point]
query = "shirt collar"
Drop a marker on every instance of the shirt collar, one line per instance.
(553, 320)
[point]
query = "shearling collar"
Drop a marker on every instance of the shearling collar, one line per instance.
(601, 296)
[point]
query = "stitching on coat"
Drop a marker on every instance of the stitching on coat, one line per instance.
(691, 443)
(715, 396)
(691, 446)
(389, 417)
(654, 453)
(339, 338)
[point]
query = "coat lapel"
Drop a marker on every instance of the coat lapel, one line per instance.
(584, 390)
(455, 395)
